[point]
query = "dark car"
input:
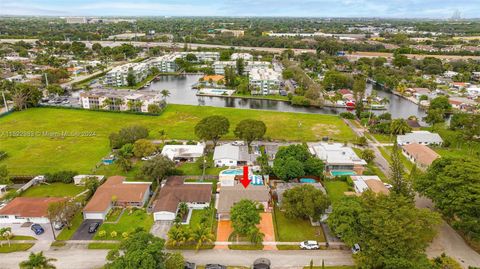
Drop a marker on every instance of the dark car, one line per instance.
(261, 263)
(190, 265)
(93, 227)
(215, 266)
(37, 229)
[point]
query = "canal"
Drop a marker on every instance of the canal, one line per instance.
(182, 93)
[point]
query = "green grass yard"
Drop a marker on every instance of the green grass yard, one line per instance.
(192, 169)
(15, 247)
(335, 189)
(66, 233)
(295, 230)
(53, 190)
(103, 245)
(127, 223)
(38, 148)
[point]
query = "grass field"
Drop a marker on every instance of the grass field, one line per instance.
(335, 190)
(127, 223)
(32, 141)
(66, 233)
(103, 245)
(15, 247)
(295, 230)
(53, 190)
(192, 169)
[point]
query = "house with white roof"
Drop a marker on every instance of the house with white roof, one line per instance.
(183, 152)
(230, 155)
(365, 183)
(338, 157)
(419, 137)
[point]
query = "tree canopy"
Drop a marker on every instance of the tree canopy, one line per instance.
(296, 161)
(244, 216)
(212, 128)
(304, 202)
(250, 130)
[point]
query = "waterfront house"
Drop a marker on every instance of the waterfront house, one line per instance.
(419, 137)
(338, 157)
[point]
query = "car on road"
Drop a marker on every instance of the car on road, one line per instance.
(309, 244)
(261, 263)
(356, 248)
(37, 229)
(190, 265)
(93, 227)
(215, 266)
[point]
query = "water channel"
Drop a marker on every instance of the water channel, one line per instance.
(182, 93)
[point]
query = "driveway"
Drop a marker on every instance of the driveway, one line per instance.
(161, 228)
(82, 231)
(266, 227)
(17, 229)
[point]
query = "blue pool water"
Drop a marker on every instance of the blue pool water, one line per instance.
(307, 180)
(256, 179)
(342, 173)
(232, 172)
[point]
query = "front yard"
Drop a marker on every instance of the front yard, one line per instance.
(335, 189)
(129, 221)
(53, 190)
(15, 247)
(295, 230)
(66, 233)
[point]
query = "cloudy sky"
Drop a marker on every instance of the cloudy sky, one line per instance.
(294, 8)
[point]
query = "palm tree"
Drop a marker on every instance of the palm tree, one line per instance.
(165, 93)
(256, 237)
(399, 127)
(163, 135)
(6, 234)
(176, 236)
(37, 261)
(201, 235)
(182, 209)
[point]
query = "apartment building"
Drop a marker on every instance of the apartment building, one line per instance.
(165, 63)
(219, 66)
(264, 81)
(73, 20)
(202, 56)
(239, 55)
(118, 76)
(119, 100)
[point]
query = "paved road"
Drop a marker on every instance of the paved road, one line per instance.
(354, 55)
(82, 258)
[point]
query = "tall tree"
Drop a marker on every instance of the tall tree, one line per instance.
(158, 168)
(240, 65)
(244, 216)
(250, 130)
(212, 128)
(400, 184)
(304, 202)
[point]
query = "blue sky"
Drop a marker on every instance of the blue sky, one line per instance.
(293, 8)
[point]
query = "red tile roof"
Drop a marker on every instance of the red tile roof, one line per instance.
(29, 207)
(133, 192)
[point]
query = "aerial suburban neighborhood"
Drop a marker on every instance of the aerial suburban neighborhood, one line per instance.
(308, 134)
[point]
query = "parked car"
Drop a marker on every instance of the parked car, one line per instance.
(93, 227)
(309, 244)
(190, 265)
(388, 186)
(261, 263)
(238, 143)
(356, 248)
(58, 225)
(215, 266)
(37, 229)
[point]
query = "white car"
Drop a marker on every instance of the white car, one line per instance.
(238, 143)
(356, 248)
(388, 186)
(309, 244)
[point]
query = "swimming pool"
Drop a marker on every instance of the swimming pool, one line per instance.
(307, 180)
(338, 173)
(255, 179)
(232, 172)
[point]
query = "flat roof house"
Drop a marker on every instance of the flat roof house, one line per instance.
(230, 155)
(183, 152)
(176, 191)
(134, 194)
(419, 154)
(27, 209)
(365, 183)
(231, 195)
(337, 156)
(419, 137)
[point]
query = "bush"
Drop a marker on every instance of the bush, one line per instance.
(61, 176)
(347, 115)
(300, 101)
(113, 234)
(125, 235)
(102, 234)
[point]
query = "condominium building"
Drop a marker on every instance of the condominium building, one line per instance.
(119, 100)
(219, 66)
(264, 81)
(202, 56)
(244, 56)
(165, 63)
(118, 76)
(72, 20)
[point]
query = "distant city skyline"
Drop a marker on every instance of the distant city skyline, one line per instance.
(279, 8)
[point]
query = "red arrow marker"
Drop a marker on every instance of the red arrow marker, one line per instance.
(245, 180)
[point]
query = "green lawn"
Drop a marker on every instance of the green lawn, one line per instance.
(295, 230)
(267, 97)
(246, 247)
(113, 170)
(66, 233)
(192, 169)
(288, 247)
(128, 223)
(23, 237)
(383, 138)
(37, 152)
(103, 245)
(53, 190)
(335, 189)
(15, 247)
(387, 152)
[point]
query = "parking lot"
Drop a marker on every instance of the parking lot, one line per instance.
(17, 229)
(82, 231)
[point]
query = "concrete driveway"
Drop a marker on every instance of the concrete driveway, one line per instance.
(17, 229)
(161, 228)
(82, 231)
